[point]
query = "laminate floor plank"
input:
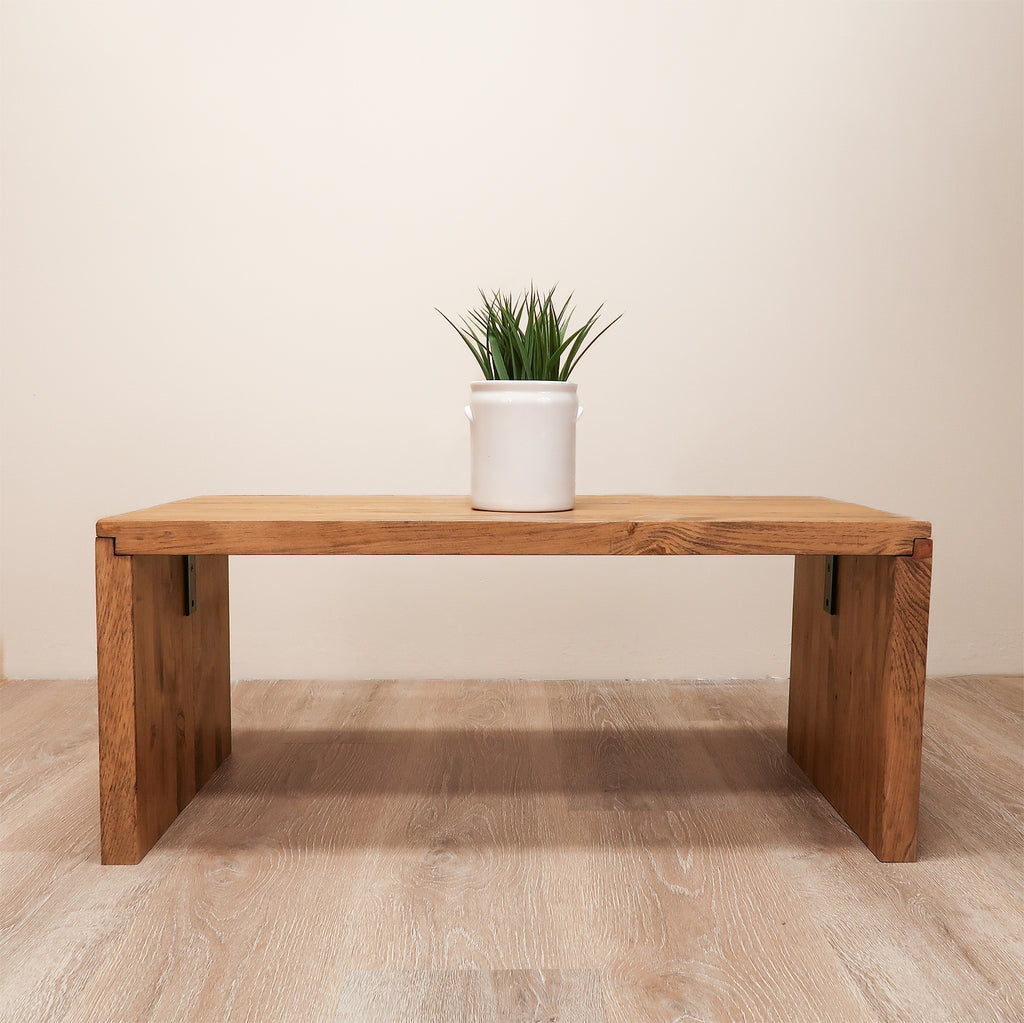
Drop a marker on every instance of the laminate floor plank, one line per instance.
(690, 917)
(45, 728)
(454, 879)
(969, 813)
(58, 906)
(949, 928)
(41, 855)
(48, 962)
(467, 996)
(59, 814)
(258, 872)
(511, 851)
(302, 706)
(981, 700)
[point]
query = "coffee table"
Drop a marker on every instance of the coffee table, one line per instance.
(860, 628)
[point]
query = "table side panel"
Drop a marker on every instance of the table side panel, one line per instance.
(182, 684)
(856, 695)
(905, 667)
(164, 692)
(115, 656)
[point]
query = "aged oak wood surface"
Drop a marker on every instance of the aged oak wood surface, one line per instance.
(571, 851)
(856, 693)
(618, 524)
(164, 696)
(858, 679)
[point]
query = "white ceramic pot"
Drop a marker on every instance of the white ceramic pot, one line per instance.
(523, 445)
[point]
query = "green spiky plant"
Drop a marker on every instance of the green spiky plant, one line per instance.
(526, 337)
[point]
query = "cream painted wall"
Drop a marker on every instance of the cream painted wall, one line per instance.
(226, 225)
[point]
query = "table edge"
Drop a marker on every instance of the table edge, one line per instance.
(874, 532)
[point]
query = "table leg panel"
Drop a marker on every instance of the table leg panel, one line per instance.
(115, 656)
(857, 692)
(211, 671)
(164, 692)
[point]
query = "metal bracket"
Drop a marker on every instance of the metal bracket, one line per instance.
(190, 584)
(830, 583)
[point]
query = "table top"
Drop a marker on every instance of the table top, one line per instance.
(612, 524)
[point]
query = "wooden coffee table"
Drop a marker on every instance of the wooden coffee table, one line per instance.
(860, 628)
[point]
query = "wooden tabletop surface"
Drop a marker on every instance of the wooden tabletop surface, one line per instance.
(613, 524)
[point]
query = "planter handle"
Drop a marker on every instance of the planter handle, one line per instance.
(579, 412)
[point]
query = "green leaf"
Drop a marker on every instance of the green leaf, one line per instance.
(526, 337)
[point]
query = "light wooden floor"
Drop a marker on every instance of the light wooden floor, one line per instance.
(434, 851)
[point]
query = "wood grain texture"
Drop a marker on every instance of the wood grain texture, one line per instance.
(618, 525)
(57, 904)
(118, 733)
(923, 547)
(939, 939)
(683, 911)
(856, 698)
(966, 809)
(410, 845)
(513, 996)
(49, 750)
(163, 692)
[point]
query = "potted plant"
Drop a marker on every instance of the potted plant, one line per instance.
(523, 413)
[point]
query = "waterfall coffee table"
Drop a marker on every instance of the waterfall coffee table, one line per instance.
(860, 628)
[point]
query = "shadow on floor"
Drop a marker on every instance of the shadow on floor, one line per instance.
(458, 789)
